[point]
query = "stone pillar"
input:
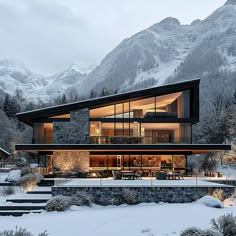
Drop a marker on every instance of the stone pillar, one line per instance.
(67, 160)
(74, 132)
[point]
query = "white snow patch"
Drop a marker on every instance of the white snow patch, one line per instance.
(210, 201)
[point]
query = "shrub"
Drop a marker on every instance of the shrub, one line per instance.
(14, 176)
(129, 196)
(28, 182)
(225, 225)
(26, 170)
(58, 203)
(7, 190)
(192, 231)
(219, 194)
(81, 199)
(39, 177)
(210, 232)
(20, 232)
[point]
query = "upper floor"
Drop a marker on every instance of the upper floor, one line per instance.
(157, 115)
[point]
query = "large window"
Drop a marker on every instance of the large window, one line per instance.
(43, 133)
(137, 162)
(174, 105)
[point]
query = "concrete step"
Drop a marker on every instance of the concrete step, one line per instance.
(40, 192)
(46, 183)
(28, 200)
(16, 213)
(8, 184)
(21, 207)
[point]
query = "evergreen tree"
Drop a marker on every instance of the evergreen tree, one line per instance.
(10, 106)
(92, 94)
(63, 99)
(19, 98)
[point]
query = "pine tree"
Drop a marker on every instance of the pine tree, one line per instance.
(92, 94)
(63, 99)
(19, 98)
(10, 106)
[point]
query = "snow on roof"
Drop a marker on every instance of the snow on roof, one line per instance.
(5, 151)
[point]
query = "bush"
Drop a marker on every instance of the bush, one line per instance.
(7, 190)
(81, 199)
(193, 231)
(210, 232)
(26, 170)
(14, 176)
(225, 225)
(20, 232)
(58, 203)
(219, 194)
(28, 182)
(39, 177)
(129, 196)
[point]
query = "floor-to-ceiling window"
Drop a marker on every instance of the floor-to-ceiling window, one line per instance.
(134, 162)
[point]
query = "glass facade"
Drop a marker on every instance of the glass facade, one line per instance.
(137, 162)
(43, 133)
(133, 121)
(136, 132)
(174, 105)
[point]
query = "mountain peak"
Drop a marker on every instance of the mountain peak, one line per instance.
(13, 65)
(75, 68)
(170, 21)
(230, 2)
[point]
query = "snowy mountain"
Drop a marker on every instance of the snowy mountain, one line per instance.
(14, 75)
(170, 50)
(166, 51)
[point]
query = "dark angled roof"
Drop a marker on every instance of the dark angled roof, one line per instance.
(29, 116)
(4, 152)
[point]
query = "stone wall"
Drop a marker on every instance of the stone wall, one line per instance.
(114, 195)
(71, 160)
(74, 132)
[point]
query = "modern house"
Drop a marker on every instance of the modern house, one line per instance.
(149, 129)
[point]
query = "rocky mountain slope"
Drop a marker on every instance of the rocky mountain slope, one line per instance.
(170, 50)
(14, 75)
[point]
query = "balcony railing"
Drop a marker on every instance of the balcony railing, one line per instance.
(137, 140)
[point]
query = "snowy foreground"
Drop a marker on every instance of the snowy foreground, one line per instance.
(143, 219)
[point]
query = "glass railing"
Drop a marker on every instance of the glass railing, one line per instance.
(137, 140)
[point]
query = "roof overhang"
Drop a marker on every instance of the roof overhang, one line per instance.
(191, 149)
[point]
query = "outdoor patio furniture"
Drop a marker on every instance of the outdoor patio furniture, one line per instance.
(116, 175)
(138, 174)
(128, 174)
(174, 176)
(74, 173)
(160, 175)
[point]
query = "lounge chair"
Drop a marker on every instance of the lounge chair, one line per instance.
(116, 175)
(138, 174)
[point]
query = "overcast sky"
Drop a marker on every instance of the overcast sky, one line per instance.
(49, 35)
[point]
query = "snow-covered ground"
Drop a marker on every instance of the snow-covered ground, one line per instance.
(3, 177)
(144, 219)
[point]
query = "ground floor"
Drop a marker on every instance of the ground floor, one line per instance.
(67, 162)
(92, 158)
